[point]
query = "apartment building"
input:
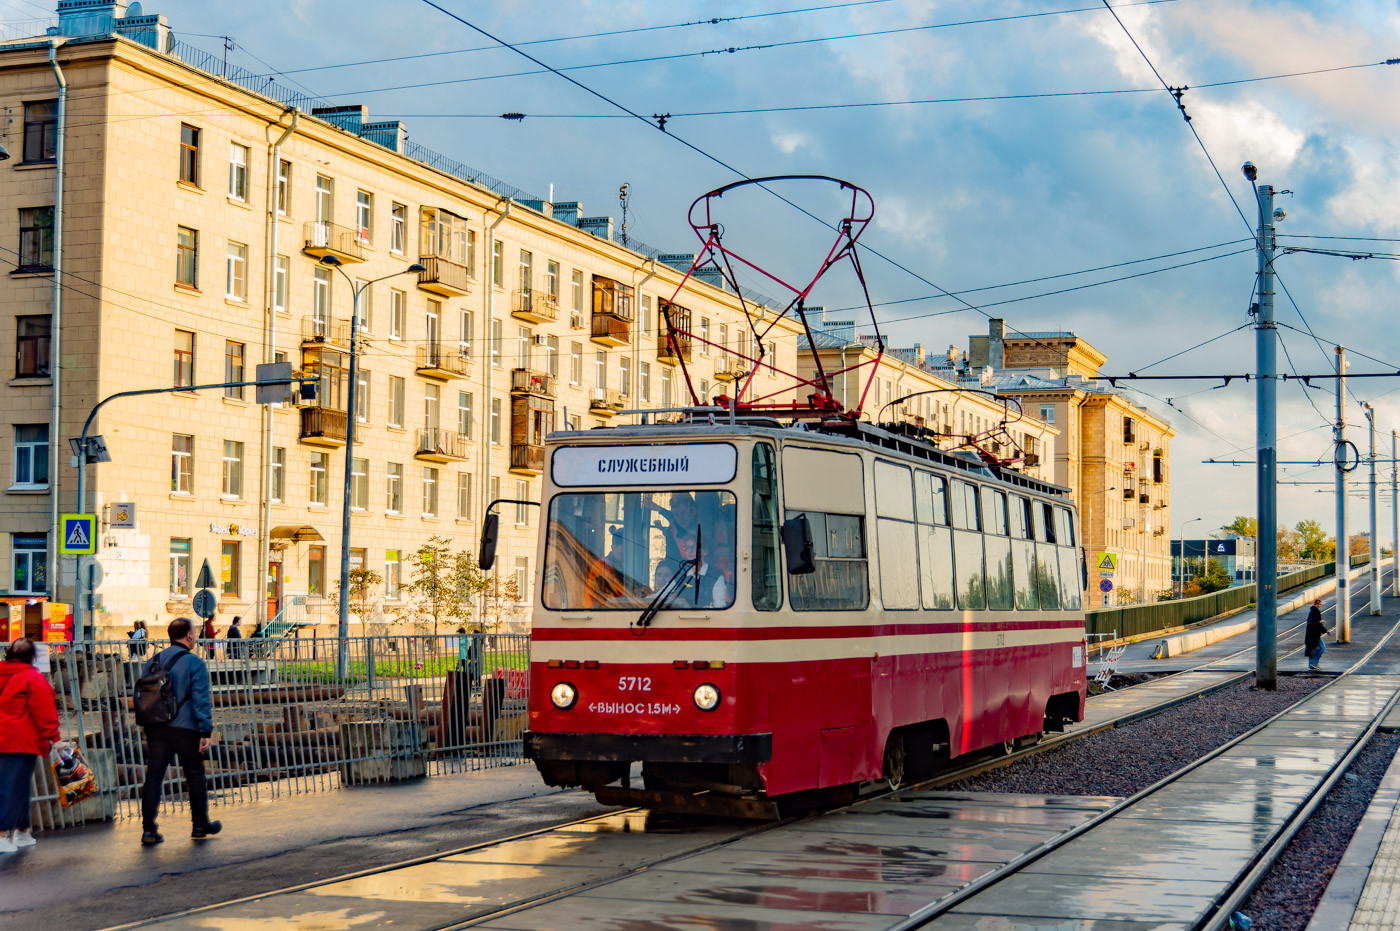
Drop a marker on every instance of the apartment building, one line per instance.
(210, 222)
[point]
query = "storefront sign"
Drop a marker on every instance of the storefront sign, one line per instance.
(123, 516)
(233, 530)
(57, 622)
(670, 464)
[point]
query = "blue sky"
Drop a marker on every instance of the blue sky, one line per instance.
(968, 194)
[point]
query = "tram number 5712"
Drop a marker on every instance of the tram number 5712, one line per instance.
(634, 684)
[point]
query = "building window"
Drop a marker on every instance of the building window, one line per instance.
(522, 578)
(576, 280)
(644, 381)
(238, 171)
(396, 400)
(496, 420)
(432, 322)
(665, 387)
(362, 380)
(284, 187)
(320, 467)
(230, 562)
(1047, 413)
(316, 570)
(31, 455)
(432, 394)
(180, 566)
(527, 271)
(189, 154)
(181, 464)
(704, 336)
(281, 274)
(465, 401)
(32, 342)
(551, 281)
(393, 488)
(41, 131)
(321, 296)
(646, 313)
(398, 232)
(233, 368)
(359, 484)
(496, 262)
(552, 346)
(364, 306)
(236, 288)
(279, 474)
(233, 469)
(471, 253)
(187, 257)
(625, 376)
(325, 199)
(600, 368)
(496, 343)
(704, 391)
(184, 358)
(575, 363)
(393, 579)
(430, 492)
(467, 326)
(31, 560)
(522, 511)
(464, 496)
(364, 216)
(522, 347)
(35, 239)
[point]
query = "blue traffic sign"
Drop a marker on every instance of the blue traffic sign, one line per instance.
(1105, 585)
(204, 603)
(79, 534)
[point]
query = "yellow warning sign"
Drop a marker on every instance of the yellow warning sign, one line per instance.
(1108, 561)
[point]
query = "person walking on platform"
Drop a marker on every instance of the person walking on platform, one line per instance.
(208, 635)
(1312, 637)
(28, 729)
(185, 736)
(232, 648)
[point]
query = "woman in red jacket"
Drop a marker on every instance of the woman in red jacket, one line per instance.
(28, 728)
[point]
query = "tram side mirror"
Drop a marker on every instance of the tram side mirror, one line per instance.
(1084, 566)
(490, 528)
(797, 545)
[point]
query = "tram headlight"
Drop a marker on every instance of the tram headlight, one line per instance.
(563, 695)
(706, 697)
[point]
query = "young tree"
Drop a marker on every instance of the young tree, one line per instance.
(364, 586)
(500, 595)
(1290, 544)
(433, 580)
(1242, 527)
(468, 580)
(1315, 542)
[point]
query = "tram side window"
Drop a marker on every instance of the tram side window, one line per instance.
(1070, 593)
(1047, 568)
(767, 592)
(1001, 588)
(967, 548)
(841, 580)
(1064, 527)
(896, 553)
(1023, 555)
(935, 541)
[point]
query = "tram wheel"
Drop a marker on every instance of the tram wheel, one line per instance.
(895, 757)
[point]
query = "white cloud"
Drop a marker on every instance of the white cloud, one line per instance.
(1245, 131)
(789, 142)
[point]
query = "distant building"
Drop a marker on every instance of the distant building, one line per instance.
(1236, 555)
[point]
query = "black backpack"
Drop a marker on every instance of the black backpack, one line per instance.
(154, 699)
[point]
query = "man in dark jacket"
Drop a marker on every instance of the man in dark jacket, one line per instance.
(1312, 637)
(185, 738)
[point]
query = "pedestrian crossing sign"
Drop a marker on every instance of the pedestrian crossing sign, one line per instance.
(79, 535)
(1108, 561)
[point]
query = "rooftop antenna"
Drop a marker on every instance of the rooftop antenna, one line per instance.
(622, 199)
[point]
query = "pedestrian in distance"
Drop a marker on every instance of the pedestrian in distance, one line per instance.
(208, 635)
(233, 650)
(175, 687)
(1312, 637)
(28, 729)
(137, 646)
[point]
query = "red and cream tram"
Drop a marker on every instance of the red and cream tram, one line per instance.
(762, 610)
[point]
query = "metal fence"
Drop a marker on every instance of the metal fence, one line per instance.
(287, 721)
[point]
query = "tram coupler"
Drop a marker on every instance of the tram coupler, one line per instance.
(700, 803)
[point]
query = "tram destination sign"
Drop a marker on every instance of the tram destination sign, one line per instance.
(642, 464)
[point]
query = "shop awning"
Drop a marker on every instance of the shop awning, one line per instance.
(302, 534)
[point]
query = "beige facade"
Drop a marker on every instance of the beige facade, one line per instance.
(193, 252)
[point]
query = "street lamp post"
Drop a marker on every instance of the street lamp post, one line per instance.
(342, 654)
(1181, 569)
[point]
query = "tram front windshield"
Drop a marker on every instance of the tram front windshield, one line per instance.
(614, 551)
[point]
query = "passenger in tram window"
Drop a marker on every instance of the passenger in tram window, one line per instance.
(715, 581)
(683, 521)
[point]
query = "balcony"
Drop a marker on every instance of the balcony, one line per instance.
(1144, 498)
(730, 368)
(444, 277)
(528, 381)
(324, 238)
(437, 361)
(1128, 494)
(611, 330)
(1129, 434)
(323, 426)
(672, 352)
(526, 459)
(331, 330)
(605, 401)
(534, 307)
(438, 445)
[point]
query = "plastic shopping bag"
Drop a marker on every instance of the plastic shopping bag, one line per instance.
(73, 775)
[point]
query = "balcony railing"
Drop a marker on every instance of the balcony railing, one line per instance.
(324, 238)
(611, 330)
(673, 352)
(534, 306)
(606, 401)
(440, 445)
(526, 459)
(323, 426)
(436, 360)
(528, 381)
(325, 330)
(445, 277)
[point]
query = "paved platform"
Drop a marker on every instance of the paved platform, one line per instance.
(1371, 865)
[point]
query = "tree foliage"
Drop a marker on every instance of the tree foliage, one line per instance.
(1242, 526)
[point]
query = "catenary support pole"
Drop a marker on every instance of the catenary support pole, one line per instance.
(1375, 536)
(1395, 518)
(1343, 559)
(1266, 413)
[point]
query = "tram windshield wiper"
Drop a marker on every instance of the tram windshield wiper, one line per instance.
(672, 585)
